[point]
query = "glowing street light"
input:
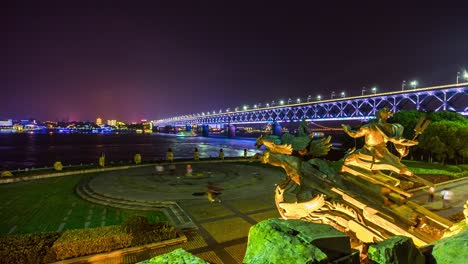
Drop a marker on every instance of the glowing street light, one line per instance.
(343, 94)
(374, 90)
(267, 105)
(281, 102)
(464, 76)
(298, 100)
(255, 106)
(245, 107)
(414, 84)
(319, 97)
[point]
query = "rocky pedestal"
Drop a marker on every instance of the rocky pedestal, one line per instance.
(398, 249)
(453, 249)
(178, 256)
(296, 241)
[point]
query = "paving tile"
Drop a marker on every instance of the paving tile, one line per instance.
(237, 252)
(265, 215)
(210, 210)
(211, 257)
(248, 205)
(227, 229)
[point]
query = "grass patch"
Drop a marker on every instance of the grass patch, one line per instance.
(43, 205)
(419, 167)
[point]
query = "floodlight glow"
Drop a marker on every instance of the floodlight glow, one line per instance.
(245, 107)
(319, 97)
(298, 100)
(414, 84)
(465, 75)
(343, 94)
(281, 102)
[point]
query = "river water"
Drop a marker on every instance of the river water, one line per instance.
(24, 150)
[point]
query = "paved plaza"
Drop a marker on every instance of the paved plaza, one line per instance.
(218, 231)
(221, 228)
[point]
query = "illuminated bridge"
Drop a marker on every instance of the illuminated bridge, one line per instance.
(447, 97)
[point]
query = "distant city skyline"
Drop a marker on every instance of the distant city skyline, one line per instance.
(151, 60)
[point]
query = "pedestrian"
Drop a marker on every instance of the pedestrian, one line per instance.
(221, 154)
(430, 192)
(213, 192)
(196, 155)
(245, 153)
(446, 197)
(169, 155)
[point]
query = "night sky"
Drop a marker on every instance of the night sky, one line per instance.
(130, 60)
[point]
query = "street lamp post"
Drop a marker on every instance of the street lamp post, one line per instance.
(403, 85)
(343, 94)
(309, 98)
(374, 90)
(332, 94)
(363, 90)
(414, 84)
(319, 97)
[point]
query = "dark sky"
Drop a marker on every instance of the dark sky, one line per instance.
(129, 60)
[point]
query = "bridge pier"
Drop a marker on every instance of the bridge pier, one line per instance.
(231, 131)
(277, 129)
(205, 130)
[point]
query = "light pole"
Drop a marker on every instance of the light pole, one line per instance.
(332, 94)
(298, 100)
(289, 101)
(343, 94)
(403, 85)
(363, 90)
(374, 90)
(309, 98)
(281, 102)
(414, 84)
(319, 97)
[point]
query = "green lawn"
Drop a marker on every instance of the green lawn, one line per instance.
(419, 167)
(44, 205)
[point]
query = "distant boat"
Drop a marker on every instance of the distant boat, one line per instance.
(186, 134)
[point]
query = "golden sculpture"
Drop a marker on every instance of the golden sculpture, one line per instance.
(375, 155)
(361, 200)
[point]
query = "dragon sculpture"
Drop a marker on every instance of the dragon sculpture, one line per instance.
(368, 208)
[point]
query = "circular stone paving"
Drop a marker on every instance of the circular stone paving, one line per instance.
(237, 180)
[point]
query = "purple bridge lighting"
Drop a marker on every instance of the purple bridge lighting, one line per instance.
(447, 97)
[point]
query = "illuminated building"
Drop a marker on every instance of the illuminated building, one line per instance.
(99, 121)
(112, 122)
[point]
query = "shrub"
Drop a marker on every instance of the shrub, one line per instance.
(29, 248)
(143, 232)
(82, 242)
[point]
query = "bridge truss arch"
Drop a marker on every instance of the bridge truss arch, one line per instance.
(449, 97)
